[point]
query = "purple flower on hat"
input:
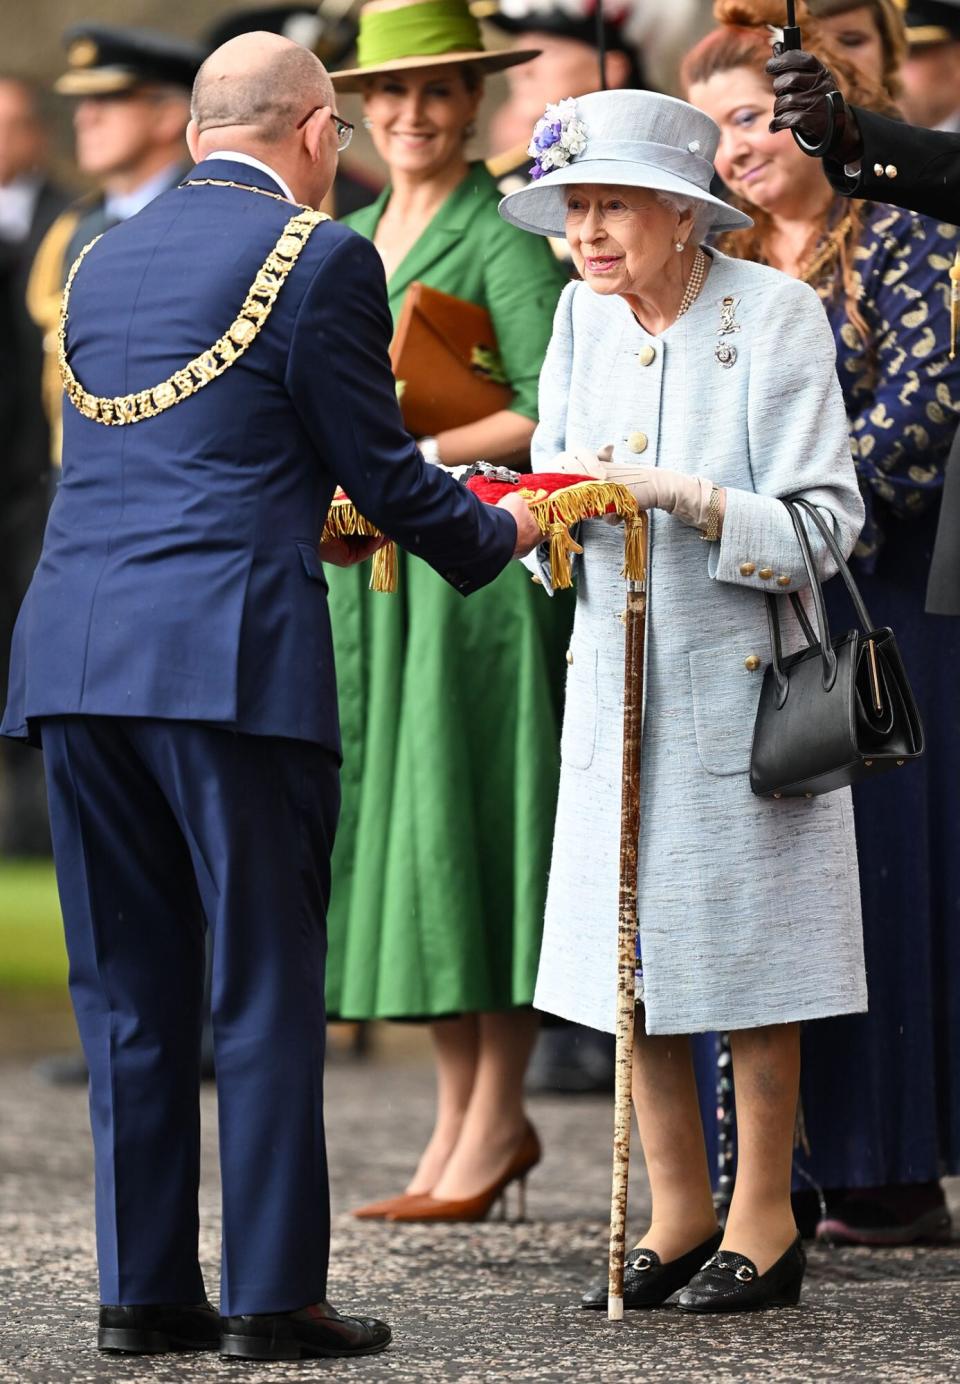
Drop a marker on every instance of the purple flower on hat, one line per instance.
(558, 136)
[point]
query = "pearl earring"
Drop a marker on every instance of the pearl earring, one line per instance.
(367, 122)
(679, 246)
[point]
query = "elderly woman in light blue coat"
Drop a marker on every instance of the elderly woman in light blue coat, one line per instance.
(709, 385)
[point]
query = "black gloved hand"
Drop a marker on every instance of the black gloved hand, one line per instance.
(803, 87)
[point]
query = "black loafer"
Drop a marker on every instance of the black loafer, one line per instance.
(151, 1329)
(647, 1282)
(730, 1283)
(317, 1330)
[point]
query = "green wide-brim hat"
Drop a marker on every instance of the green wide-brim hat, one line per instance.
(400, 35)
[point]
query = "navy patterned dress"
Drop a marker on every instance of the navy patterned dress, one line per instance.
(881, 1091)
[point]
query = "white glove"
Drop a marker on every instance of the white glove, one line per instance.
(687, 498)
(581, 463)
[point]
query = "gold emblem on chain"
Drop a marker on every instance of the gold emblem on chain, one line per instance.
(239, 336)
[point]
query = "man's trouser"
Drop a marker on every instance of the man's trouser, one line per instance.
(160, 829)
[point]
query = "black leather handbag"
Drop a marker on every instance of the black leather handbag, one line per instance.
(840, 710)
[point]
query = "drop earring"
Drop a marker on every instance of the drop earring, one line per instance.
(679, 247)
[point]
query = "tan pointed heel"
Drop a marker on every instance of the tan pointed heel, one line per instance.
(477, 1208)
(382, 1210)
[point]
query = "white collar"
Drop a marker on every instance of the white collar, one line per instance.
(251, 162)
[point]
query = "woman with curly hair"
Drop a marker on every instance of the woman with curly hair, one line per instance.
(880, 1101)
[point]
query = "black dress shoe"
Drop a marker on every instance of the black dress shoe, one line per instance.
(317, 1330)
(647, 1282)
(730, 1283)
(150, 1329)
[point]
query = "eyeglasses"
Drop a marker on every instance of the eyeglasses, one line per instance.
(343, 127)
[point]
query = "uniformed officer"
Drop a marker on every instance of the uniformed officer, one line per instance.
(132, 90)
(931, 73)
(883, 160)
(29, 202)
(565, 36)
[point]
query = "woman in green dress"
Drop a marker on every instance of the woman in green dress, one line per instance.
(450, 708)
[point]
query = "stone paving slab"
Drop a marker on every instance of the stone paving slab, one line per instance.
(490, 1302)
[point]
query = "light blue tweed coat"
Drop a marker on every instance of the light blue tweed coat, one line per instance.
(749, 909)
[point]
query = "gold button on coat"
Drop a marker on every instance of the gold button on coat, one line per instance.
(747, 569)
(765, 573)
(783, 581)
(569, 655)
(751, 663)
(878, 170)
(891, 170)
(637, 442)
(646, 355)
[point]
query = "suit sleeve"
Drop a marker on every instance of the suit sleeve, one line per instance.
(339, 378)
(799, 444)
(904, 165)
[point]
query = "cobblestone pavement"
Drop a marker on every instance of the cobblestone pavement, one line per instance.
(491, 1302)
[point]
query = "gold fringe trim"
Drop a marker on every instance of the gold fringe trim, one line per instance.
(586, 500)
(385, 574)
(562, 544)
(635, 548)
(555, 514)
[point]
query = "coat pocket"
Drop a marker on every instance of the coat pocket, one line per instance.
(579, 737)
(725, 683)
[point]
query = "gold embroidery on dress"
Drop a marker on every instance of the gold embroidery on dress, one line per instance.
(239, 336)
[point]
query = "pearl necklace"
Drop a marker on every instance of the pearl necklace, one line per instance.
(694, 283)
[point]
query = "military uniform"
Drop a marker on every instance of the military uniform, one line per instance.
(102, 61)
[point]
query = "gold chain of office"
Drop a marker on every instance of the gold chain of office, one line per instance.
(238, 338)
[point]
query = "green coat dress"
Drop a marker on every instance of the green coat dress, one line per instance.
(450, 708)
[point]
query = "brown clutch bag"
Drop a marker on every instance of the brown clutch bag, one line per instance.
(445, 357)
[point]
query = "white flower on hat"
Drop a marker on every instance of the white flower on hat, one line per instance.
(558, 136)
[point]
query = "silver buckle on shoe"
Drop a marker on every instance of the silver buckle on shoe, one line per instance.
(745, 1273)
(642, 1264)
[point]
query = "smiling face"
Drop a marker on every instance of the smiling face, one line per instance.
(622, 238)
(418, 119)
(856, 33)
(766, 170)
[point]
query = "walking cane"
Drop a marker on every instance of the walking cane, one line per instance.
(635, 620)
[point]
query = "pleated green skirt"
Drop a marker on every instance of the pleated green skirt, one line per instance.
(450, 712)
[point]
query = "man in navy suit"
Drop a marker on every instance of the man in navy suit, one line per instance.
(225, 358)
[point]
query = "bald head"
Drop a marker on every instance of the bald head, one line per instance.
(261, 83)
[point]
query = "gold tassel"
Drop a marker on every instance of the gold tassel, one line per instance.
(634, 545)
(561, 546)
(385, 569)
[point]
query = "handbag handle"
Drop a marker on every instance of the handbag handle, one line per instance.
(822, 640)
(863, 615)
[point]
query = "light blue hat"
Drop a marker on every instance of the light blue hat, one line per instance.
(624, 138)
